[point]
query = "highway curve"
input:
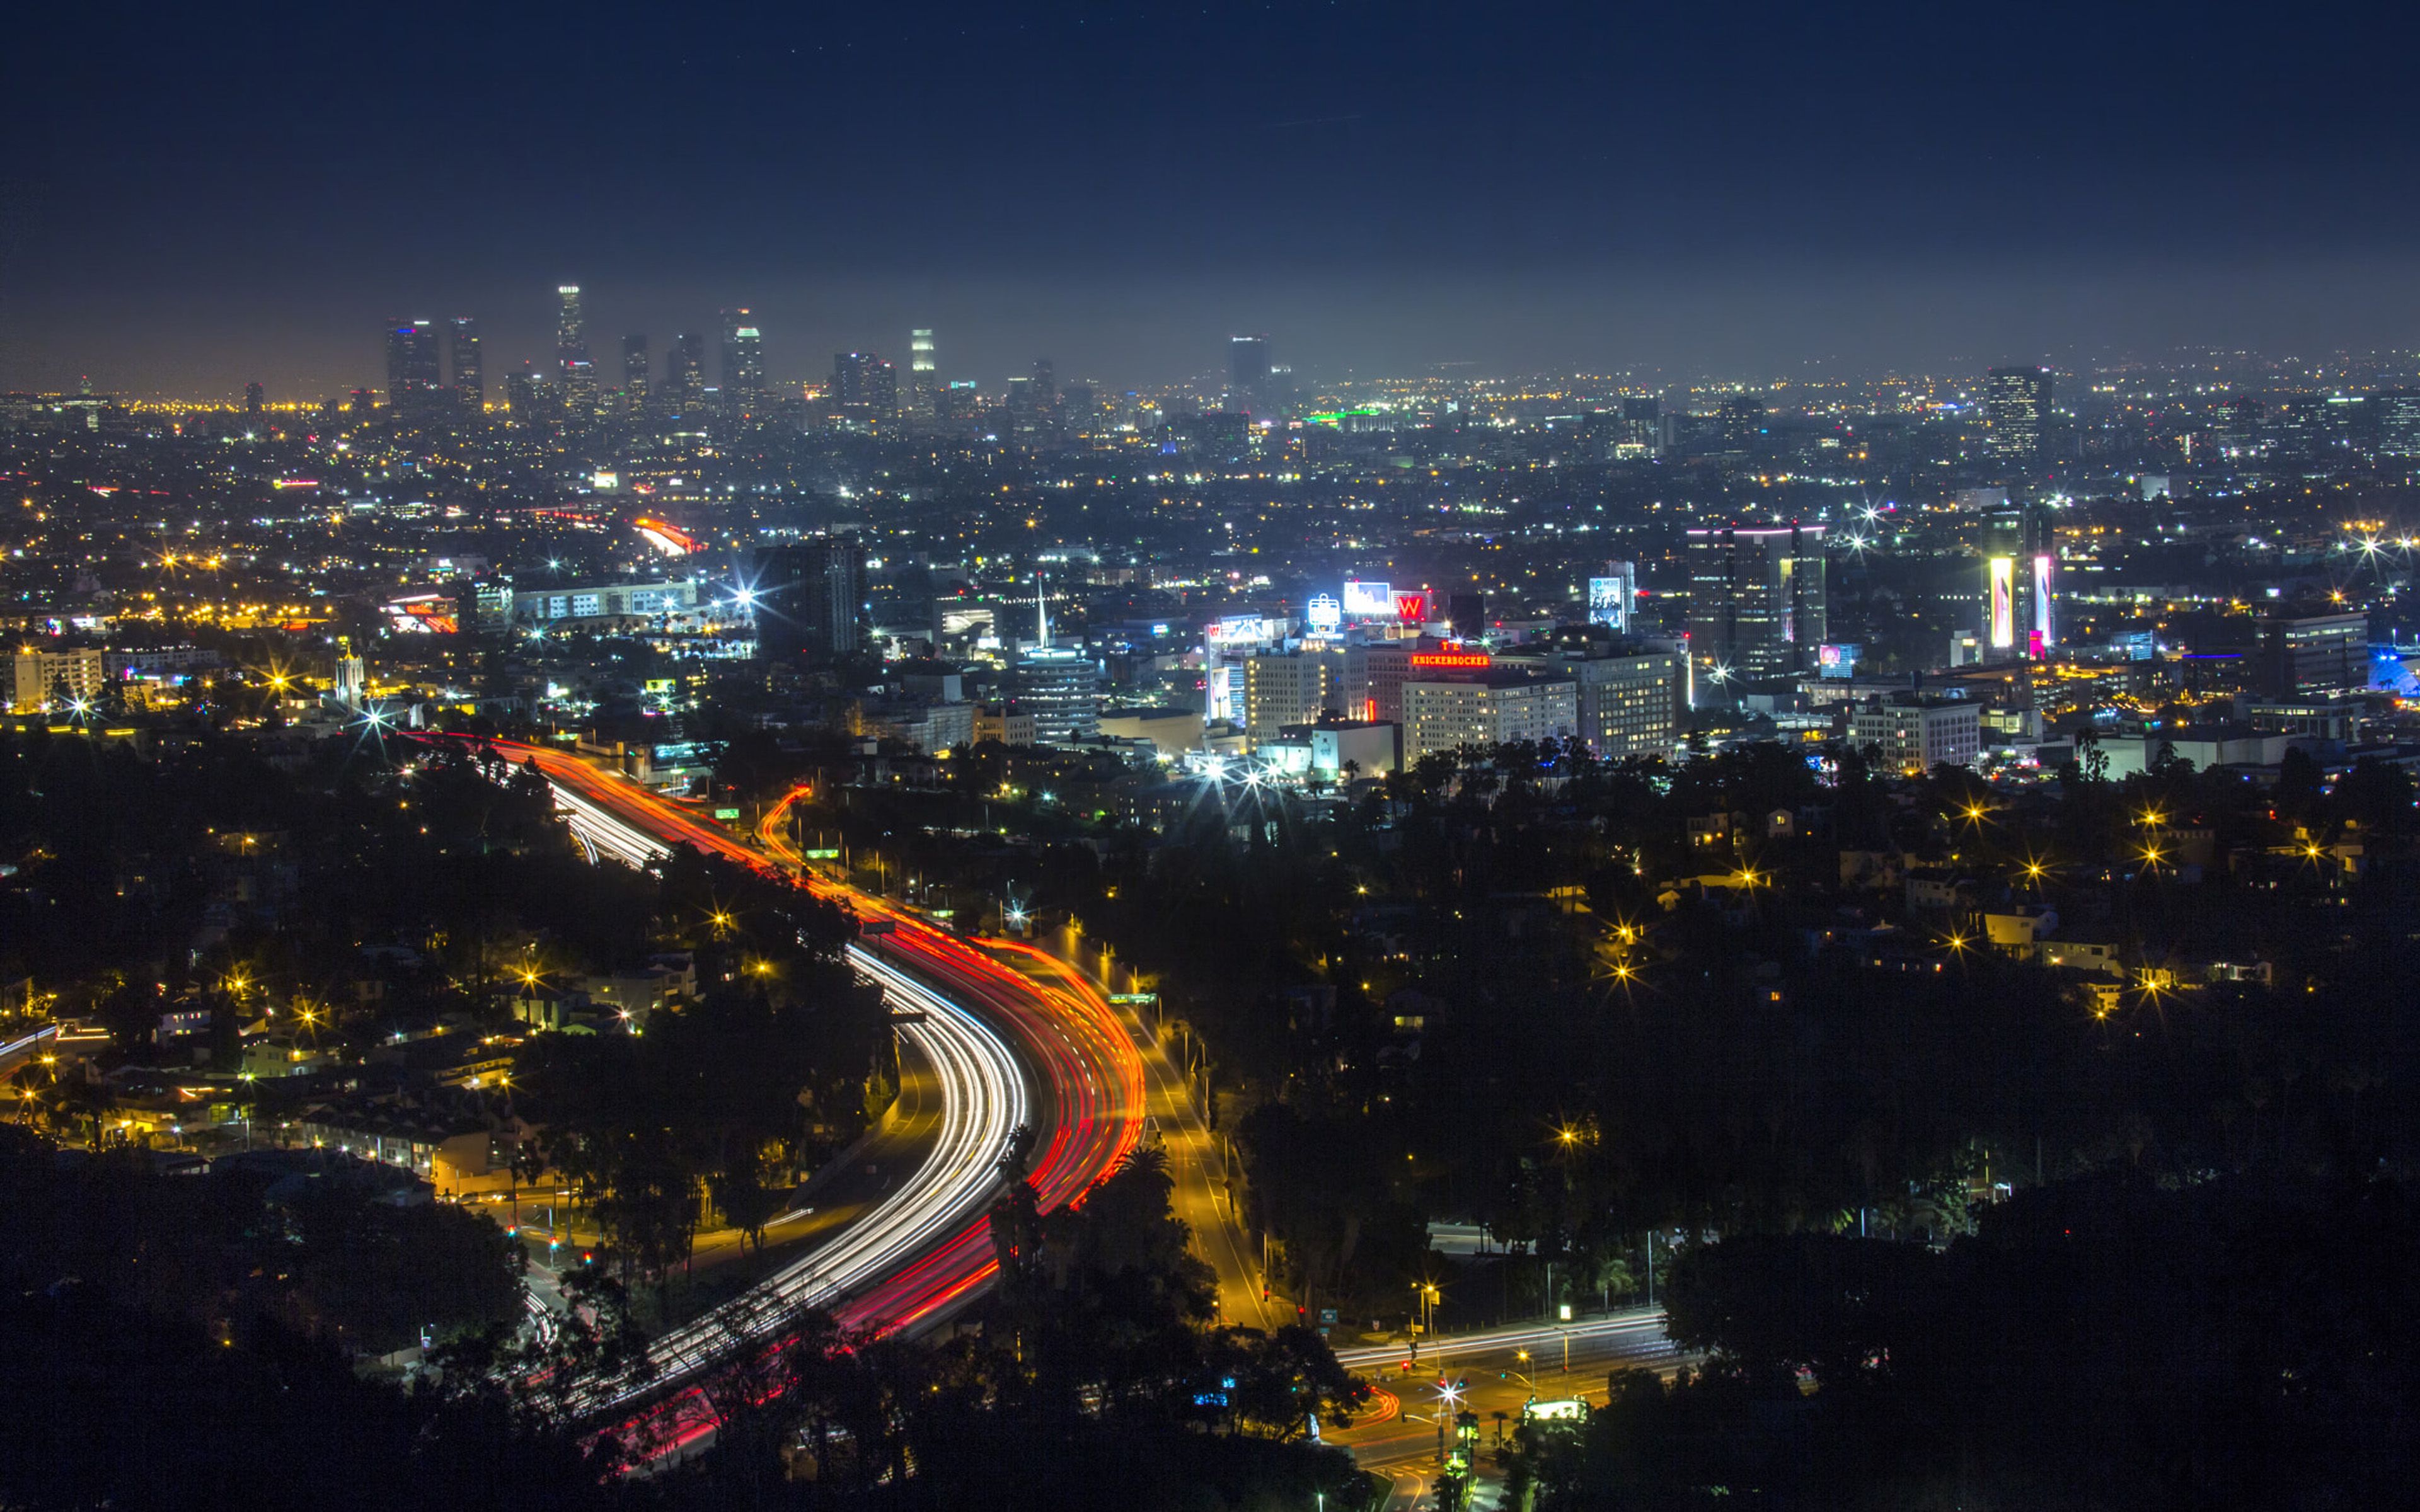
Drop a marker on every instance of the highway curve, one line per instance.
(1061, 1062)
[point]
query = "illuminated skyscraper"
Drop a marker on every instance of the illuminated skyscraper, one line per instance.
(572, 368)
(865, 387)
(743, 361)
(635, 373)
(470, 376)
(923, 377)
(1248, 373)
(810, 600)
(685, 371)
(411, 367)
(1757, 602)
(2016, 407)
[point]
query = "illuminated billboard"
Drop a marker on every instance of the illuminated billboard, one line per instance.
(2004, 603)
(1838, 660)
(1324, 613)
(1412, 607)
(2044, 636)
(1370, 600)
(1466, 660)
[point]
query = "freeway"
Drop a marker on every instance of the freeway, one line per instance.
(1013, 1053)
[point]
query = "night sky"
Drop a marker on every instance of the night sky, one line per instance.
(195, 195)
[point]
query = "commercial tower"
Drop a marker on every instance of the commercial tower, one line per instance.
(635, 373)
(573, 370)
(412, 370)
(1757, 604)
(923, 377)
(743, 361)
(865, 387)
(470, 374)
(685, 372)
(2016, 410)
(810, 600)
(1248, 373)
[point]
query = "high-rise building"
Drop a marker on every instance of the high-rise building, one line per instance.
(411, 367)
(1482, 709)
(1293, 687)
(864, 387)
(743, 362)
(685, 372)
(573, 371)
(2315, 655)
(2398, 423)
(1910, 732)
(635, 373)
(1630, 696)
(923, 377)
(2016, 411)
(1248, 374)
(1757, 602)
(810, 600)
(1059, 687)
(470, 374)
(254, 401)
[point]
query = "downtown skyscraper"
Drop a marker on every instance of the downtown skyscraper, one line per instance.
(573, 370)
(743, 362)
(923, 377)
(413, 373)
(685, 372)
(470, 372)
(635, 373)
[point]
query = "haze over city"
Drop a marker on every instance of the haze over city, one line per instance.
(1317, 756)
(1546, 188)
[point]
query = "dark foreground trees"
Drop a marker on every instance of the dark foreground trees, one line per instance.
(2104, 1342)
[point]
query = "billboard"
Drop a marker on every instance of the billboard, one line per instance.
(1838, 660)
(2044, 636)
(1412, 607)
(1324, 613)
(1371, 600)
(1462, 661)
(1605, 605)
(2003, 623)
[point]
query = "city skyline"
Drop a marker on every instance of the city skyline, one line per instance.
(1380, 188)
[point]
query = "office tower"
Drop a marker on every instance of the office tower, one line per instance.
(743, 361)
(1293, 687)
(864, 387)
(923, 377)
(411, 372)
(470, 374)
(810, 600)
(1045, 396)
(685, 371)
(1741, 421)
(361, 403)
(2016, 410)
(521, 397)
(1630, 698)
(574, 373)
(2315, 655)
(253, 400)
(1248, 373)
(634, 374)
(2397, 423)
(1060, 687)
(1757, 606)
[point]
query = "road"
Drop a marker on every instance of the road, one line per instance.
(1010, 1052)
(1488, 1376)
(1203, 1197)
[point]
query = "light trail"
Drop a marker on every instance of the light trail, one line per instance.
(983, 1101)
(921, 1264)
(1510, 1335)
